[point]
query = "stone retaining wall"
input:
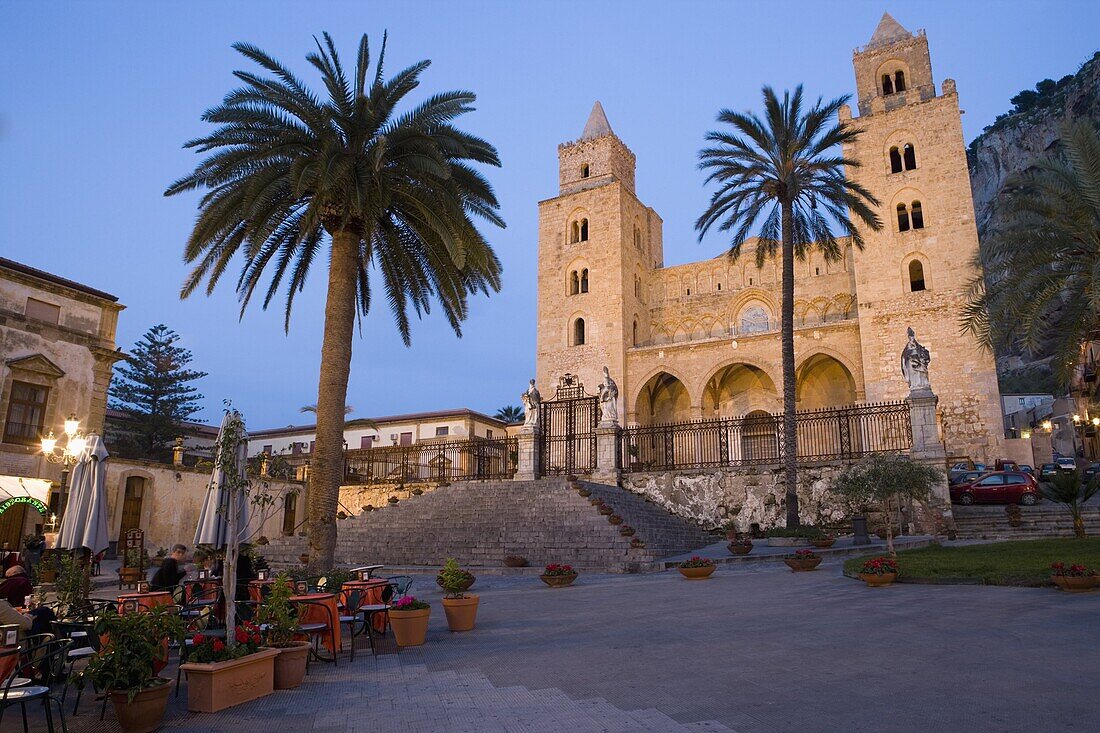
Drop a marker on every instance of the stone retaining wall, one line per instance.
(355, 498)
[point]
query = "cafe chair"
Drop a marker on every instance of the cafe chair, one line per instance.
(372, 610)
(402, 584)
(353, 599)
(317, 630)
(38, 668)
(85, 646)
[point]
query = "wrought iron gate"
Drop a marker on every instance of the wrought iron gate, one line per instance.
(568, 443)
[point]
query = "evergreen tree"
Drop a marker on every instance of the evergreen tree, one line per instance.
(153, 386)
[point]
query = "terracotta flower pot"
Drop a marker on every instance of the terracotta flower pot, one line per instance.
(558, 581)
(698, 573)
(1076, 584)
(823, 543)
(877, 580)
(584, 492)
(515, 561)
(801, 566)
(606, 511)
(737, 549)
(615, 519)
(410, 628)
(304, 558)
(627, 531)
(290, 666)
(461, 612)
(595, 500)
(219, 685)
(144, 713)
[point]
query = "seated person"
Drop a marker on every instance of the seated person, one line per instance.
(36, 621)
(16, 586)
(170, 572)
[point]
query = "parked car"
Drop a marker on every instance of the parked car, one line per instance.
(1047, 471)
(1066, 463)
(964, 477)
(998, 487)
(1090, 472)
(963, 467)
(1004, 464)
(1030, 470)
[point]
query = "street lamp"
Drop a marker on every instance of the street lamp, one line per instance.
(75, 443)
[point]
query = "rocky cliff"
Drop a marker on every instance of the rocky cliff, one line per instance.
(1010, 144)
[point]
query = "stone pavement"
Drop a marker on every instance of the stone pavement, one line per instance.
(754, 649)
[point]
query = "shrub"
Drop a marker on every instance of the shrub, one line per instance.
(556, 569)
(879, 566)
(206, 649)
(278, 615)
(453, 579)
(1073, 571)
(802, 555)
(697, 562)
(137, 644)
(410, 603)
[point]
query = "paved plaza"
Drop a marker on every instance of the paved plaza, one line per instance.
(755, 649)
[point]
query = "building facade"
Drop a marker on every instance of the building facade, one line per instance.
(57, 348)
(701, 340)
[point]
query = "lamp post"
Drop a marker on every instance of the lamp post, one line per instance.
(75, 443)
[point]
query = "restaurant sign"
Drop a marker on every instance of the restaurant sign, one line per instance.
(15, 500)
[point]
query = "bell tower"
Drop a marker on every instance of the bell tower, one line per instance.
(916, 270)
(597, 245)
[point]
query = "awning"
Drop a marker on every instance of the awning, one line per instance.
(16, 490)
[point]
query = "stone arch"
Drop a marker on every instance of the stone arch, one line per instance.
(840, 307)
(907, 272)
(890, 73)
(663, 397)
(822, 380)
(578, 227)
(738, 387)
(115, 520)
(901, 210)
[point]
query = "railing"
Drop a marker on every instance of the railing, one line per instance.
(22, 433)
(465, 460)
(845, 433)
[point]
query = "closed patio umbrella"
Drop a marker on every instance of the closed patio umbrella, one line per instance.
(85, 520)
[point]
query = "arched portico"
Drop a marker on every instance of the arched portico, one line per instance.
(823, 381)
(739, 388)
(663, 398)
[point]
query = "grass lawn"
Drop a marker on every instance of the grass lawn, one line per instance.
(1022, 562)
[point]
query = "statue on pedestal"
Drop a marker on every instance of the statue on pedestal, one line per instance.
(532, 400)
(609, 395)
(914, 364)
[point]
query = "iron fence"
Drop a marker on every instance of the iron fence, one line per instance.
(844, 433)
(464, 460)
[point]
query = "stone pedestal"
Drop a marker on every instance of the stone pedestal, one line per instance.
(527, 466)
(935, 516)
(607, 454)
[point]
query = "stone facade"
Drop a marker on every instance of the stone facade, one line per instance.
(701, 340)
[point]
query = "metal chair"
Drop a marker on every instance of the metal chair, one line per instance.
(316, 630)
(353, 599)
(372, 610)
(402, 584)
(39, 668)
(85, 645)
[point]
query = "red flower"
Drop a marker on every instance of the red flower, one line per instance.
(218, 645)
(198, 639)
(255, 638)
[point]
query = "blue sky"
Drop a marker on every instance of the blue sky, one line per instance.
(98, 98)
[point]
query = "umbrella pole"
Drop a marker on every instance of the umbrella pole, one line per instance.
(230, 574)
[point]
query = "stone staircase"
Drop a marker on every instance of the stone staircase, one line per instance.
(479, 523)
(1044, 520)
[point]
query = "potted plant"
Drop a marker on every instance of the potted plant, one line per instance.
(158, 558)
(558, 576)
(730, 528)
(740, 546)
(1075, 578)
(393, 500)
(133, 567)
(637, 543)
(278, 618)
(606, 510)
(515, 561)
(220, 675)
(47, 567)
(697, 568)
(124, 667)
(626, 530)
(409, 620)
(826, 540)
(460, 607)
(802, 560)
(584, 491)
(879, 571)
(1068, 489)
(615, 519)
(304, 558)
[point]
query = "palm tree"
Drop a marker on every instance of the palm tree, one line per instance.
(345, 178)
(782, 177)
(509, 414)
(348, 409)
(1069, 489)
(1041, 287)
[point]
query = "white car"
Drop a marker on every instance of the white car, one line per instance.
(1067, 464)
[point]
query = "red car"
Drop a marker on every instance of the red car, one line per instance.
(998, 487)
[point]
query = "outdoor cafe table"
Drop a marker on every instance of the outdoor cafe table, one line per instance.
(194, 588)
(308, 613)
(371, 594)
(255, 589)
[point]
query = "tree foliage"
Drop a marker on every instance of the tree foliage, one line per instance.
(153, 386)
(783, 178)
(1040, 291)
(1068, 489)
(509, 414)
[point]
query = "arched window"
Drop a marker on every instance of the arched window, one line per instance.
(575, 233)
(719, 286)
(574, 283)
(754, 320)
(895, 160)
(635, 341)
(899, 81)
(637, 239)
(909, 153)
(584, 230)
(637, 287)
(918, 216)
(903, 218)
(578, 332)
(584, 171)
(887, 84)
(290, 506)
(584, 280)
(916, 276)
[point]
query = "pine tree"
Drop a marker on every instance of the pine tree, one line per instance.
(152, 385)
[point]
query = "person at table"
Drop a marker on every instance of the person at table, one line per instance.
(16, 586)
(36, 621)
(170, 573)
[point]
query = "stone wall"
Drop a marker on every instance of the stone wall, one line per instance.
(355, 499)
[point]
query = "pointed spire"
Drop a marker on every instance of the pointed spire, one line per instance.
(888, 31)
(597, 125)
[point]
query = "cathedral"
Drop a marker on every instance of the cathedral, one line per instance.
(701, 340)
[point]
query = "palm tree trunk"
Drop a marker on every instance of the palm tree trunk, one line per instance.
(326, 471)
(790, 429)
